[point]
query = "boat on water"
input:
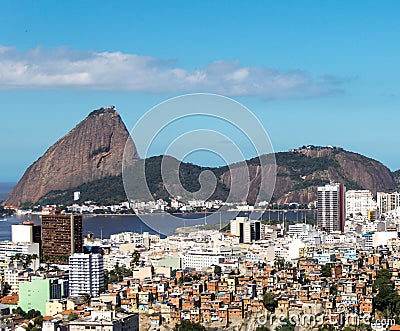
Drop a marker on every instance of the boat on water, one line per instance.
(3, 220)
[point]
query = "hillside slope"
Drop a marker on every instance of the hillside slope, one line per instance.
(300, 171)
(298, 174)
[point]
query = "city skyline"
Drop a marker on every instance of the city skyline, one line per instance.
(320, 74)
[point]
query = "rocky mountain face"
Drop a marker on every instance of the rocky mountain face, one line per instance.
(301, 171)
(396, 177)
(91, 151)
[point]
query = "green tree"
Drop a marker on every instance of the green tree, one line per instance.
(279, 264)
(333, 289)
(326, 270)
(286, 326)
(19, 311)
(72, 316)
(87, 299)
(135, 258)
(120, 310)
(38, 320)
(189, 326)
(303, 280)
(269, 301)
(184, 279)
(6, 288)
(262, 328)
(32, 313)
(386, 300)
(217, 270)
(115, 275)
(327, 328)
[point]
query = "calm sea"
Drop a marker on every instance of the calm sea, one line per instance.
(163, 224)
(5, 189)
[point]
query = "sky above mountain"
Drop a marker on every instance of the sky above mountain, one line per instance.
(321, 73)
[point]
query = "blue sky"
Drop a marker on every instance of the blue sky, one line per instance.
(313, 72)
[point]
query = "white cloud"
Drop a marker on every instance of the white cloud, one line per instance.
(61, 68)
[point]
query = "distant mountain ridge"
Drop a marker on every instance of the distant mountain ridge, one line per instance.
(299, 173)
(89, 159)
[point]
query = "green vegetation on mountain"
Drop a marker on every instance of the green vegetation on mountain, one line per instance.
(298, 175)
(106, 191)
(110, 190)
(302, 165)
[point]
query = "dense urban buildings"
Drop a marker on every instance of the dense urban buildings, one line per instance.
(331, 206)
(61, 237)
(222, 277)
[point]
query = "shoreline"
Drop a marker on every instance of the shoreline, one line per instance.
(263, 211)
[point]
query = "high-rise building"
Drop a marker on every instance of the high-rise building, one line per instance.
(387, 201)
(27, 232)
(247, 230)
(331, 206)
(61, 237)
(86, 274)
(359, 202)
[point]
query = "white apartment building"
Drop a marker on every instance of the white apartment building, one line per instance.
(270, 234)
(21, 233)
(358, 202)
(331, 207)
(8, 249)
(299, 229)
(202, 259)
(387, 201)
(86, 274)
(281, 252)
(247, 230)
(370, 227)
(106, 321)
(115, 258)
(141, 239)
(14, 276)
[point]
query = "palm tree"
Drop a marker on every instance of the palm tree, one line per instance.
(135, 259)
(87, 299)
